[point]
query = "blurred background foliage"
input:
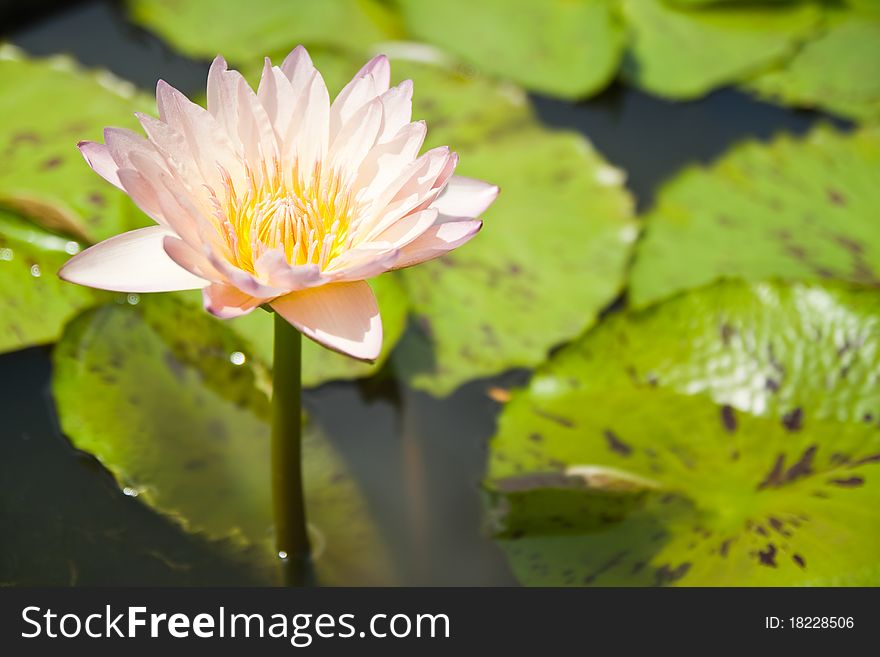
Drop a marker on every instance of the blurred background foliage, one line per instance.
(714, 415)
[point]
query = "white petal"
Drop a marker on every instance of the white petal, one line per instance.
(465, 197)
(131, 262)
(356, 139)
(403, 231)
(342, 316)
(99, 158)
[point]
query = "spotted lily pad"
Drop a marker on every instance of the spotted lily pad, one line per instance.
(683, 53)
(320, 364)
(836, 71)
(726, 437)
(242, 31)
(152, 392)
(42, 175)
(797, 209)
(34, 303)
(569, 48)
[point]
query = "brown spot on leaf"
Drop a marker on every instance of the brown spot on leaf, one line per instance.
(558, 419)
(727, 333)
(836, 197)
(724, 548)
(848, 482)
(872, 458)
(615, 444)
(666, 575)
(779, 476)
(799, 560)
(794, 419)
(728, 418)
(767, 556)
(51, 163)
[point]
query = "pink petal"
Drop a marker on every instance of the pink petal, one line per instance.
(207, 142)
(226, 301)
(99, 158)
(299, 69)
(356, 138)
(370, 82)
(404, 231)
(131, 262)
(222, 93)
(396, 109)
(386, 162)
(191, 259)
(439, 239)
(362, 262)
(308, 136)
(273, 268)
(343, 317)
(277, 98)
(465, 197)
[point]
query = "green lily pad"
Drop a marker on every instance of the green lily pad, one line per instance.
(555, 243)
(679, 53)
(42, 175)
(569, 48)
(244, 31)
(34, 303)
(152, 392)
(836, 71)
(320, 364)
(796, 209)
(726, 437)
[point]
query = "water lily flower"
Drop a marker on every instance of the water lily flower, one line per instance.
(281, 197)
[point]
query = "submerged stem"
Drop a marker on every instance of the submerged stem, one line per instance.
(291, 534)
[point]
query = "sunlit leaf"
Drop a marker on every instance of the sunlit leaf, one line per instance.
(836, 72)
(679, 53)
(153, 393)
(46, 107)
(242, 31)
(570, 48)
(797, 209)
(34, 303)
(727, 437)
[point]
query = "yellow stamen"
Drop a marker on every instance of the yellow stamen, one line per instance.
(308, 214)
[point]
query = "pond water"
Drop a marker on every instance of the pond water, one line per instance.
(418, 459)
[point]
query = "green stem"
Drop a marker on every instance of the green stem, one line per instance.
(291, 534)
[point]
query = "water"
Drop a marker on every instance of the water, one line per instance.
(420, 460)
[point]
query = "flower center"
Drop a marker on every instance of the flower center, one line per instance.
(307, 214)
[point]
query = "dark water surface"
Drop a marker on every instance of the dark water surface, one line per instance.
(420, 460)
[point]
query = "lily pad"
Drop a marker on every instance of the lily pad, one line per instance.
(836, 71)
(151, 391)
(34, 303)
(796, 209)
(683, 53)
(556, 243)
(320, 364)
(726, 437)
(42, 175)
(245, 31)
(568, 48)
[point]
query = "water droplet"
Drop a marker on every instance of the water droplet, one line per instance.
(282, 554)
(72, 248)
(35, 271)
(237, 358)
(131, 492)
(6, 254)
(133, 299)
